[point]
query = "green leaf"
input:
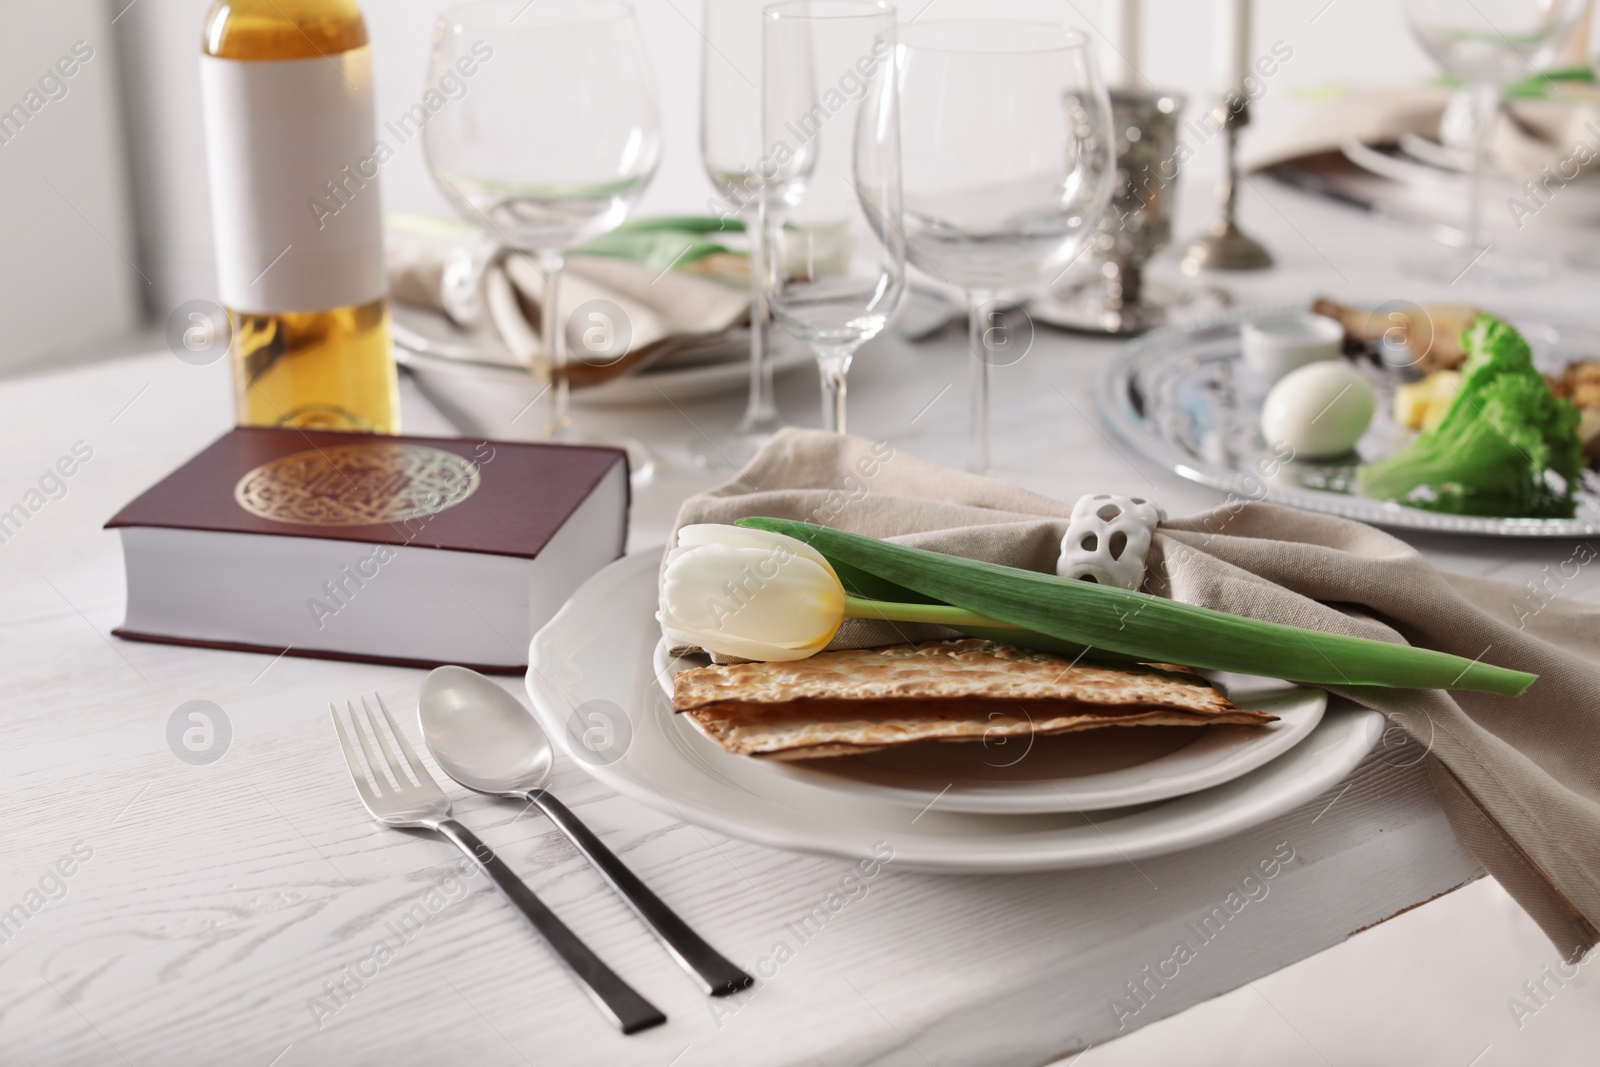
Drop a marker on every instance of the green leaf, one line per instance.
(664, 243)
(660, 250)
(1150, 628)
(914, 608)
(683, 224)
(859, 583)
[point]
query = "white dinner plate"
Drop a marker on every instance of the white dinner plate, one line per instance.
(1087, 771)
(593, 684)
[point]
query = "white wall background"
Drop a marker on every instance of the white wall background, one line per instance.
(61, 284)
(67, 278)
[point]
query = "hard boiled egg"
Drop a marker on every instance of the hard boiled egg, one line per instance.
(1318, 411)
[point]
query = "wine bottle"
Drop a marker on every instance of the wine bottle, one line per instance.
(293, 158)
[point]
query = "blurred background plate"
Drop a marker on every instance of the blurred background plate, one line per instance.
(1389, 182)
(472, 373)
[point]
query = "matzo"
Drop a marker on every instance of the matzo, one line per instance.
(862, 700)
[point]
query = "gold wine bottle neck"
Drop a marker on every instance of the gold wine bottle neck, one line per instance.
(267, 30)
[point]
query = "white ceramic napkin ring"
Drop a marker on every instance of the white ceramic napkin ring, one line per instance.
(1108, 539)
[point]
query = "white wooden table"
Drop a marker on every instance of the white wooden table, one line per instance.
(223, 911)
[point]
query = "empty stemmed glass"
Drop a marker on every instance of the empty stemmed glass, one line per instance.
(730, 147)
(833, 244)
(555, 138)
(1008, 166)
(1488, 44)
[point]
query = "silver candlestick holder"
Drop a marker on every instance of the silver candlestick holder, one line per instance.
(1226, 247)
(1121, 298)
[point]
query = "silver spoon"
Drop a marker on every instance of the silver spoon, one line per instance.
(484, 738)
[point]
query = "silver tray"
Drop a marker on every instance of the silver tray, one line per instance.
(1182, 397)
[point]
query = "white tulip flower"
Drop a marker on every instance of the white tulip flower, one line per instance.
(749, 594)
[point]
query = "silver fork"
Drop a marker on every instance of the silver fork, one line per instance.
(423, 804)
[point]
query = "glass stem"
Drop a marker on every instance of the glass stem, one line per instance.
(760, 413)
(834, 363)
(980, 305)
(553, 337)
(1485, 113)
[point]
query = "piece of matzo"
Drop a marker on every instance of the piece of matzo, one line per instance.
(863, 700)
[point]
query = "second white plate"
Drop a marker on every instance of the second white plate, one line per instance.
(1092, 770)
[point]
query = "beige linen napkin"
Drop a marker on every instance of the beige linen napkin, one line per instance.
(666, 313)
(1519, 778)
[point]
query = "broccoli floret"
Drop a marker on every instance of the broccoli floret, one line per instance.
(1507, 447)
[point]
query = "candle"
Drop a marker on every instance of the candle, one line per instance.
(1234, 19)
(1123, 31)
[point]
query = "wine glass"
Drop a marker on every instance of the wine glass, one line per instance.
(1488, 44)
(833, 244)
(1006, 144)
(730, 147)
(555, 137)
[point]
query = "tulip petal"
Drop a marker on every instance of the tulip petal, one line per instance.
(756, 597)
(739, 537)
(724, 645)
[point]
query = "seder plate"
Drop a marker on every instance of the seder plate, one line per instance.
(1183, 398)
(591, 673)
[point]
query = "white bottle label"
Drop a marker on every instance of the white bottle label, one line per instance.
(294, 161)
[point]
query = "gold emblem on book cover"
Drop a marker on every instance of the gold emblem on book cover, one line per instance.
(357, 485)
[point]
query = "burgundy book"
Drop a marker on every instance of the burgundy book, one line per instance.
(411, 551)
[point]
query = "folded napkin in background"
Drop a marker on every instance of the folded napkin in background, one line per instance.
(1519, 778)
(669, 314)
(1529, 135)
